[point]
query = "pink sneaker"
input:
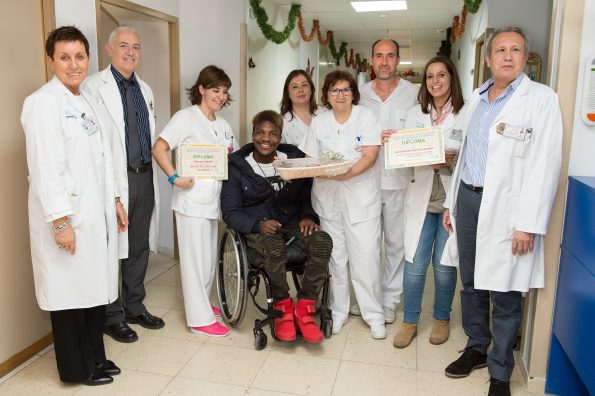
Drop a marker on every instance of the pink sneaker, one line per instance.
(214, 330)
(216, 311)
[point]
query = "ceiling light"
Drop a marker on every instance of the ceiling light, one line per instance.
(366, 6)
(405, 63)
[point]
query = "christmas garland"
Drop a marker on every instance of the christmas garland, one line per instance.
(445, 45)
(314, 32)
(458, 25)
(342, 49)
(472, 5)
(263, 22)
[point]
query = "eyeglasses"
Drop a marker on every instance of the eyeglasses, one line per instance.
(337, 91)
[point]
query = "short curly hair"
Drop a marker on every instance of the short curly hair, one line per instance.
(268, 115)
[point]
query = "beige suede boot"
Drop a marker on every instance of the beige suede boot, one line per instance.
(405, 335)
(440, 332)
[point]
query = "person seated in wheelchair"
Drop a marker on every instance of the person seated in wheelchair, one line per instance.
(272, 213)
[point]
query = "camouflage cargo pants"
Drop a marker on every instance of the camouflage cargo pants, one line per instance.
(272, 248)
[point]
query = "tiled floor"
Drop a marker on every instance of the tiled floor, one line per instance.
(173, 361)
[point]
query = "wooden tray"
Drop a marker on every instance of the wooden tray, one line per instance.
(299, 168)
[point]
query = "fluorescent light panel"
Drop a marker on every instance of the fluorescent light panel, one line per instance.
(405, 63)
(367, 6)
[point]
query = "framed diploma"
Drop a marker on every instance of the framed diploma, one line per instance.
(204, 161)
(414, 147)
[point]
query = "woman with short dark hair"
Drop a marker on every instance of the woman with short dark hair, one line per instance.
(349, 204)
(196, 202)
(74, 211)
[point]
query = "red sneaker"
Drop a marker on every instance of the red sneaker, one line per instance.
(284, 327)
(213, 330)
(216, 311)
(305, 322)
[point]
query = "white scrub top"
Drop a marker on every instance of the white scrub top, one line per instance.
(190, 125)
(391, 114)
(294, 129)
(362, 192)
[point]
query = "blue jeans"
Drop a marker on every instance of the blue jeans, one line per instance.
(431, 244)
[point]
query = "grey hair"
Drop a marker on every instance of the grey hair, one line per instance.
(508, 29)
(123, 28)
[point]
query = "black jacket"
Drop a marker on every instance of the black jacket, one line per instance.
(247, 198)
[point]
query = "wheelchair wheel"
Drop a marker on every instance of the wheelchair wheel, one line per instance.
(232, 277)
(260, 340)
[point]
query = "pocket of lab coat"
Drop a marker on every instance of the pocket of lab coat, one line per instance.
(521, 148)
(205, 191)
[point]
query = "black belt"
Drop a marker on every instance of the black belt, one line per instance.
(140, 168)
(478, 190)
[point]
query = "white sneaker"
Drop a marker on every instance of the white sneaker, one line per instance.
(354, 310)
(338, 325)
(390, 315)
(378, 331)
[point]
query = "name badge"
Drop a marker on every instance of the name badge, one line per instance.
(514, 132)
(89, 124)
(358, 143)
(456, 134)
(69, 114)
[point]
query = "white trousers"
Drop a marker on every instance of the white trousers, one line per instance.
(197, 240)
(357, 246)
(393, 228)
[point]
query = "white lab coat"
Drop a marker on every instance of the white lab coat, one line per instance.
(519, 189)
(420, 188)
(70, 174)
(102, 87)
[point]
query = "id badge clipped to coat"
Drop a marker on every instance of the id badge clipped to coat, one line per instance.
(89, 124)
(514, 132)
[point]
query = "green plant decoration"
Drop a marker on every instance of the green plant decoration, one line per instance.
(263, 22)
(342, 49)
(472, 5)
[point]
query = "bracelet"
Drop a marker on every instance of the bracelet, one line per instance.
(60, 228)
(172, 178)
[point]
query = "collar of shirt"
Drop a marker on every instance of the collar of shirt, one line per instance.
(485, 88)
(446, 109)
(120, 78)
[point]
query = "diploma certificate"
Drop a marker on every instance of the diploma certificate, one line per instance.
(204, 161)
(414, 147)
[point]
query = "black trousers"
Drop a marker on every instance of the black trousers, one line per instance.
(475, 303)
(78, 341)
(141, 199)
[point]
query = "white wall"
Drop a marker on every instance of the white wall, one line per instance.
(80, 13)
(583, 136)
(210, 34)
(463, 50)
(273, 62)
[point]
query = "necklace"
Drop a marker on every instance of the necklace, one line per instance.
(264, 173)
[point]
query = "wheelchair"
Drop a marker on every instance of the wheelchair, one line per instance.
(240, 270)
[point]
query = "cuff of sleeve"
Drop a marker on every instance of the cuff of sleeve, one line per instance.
(53, 216)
